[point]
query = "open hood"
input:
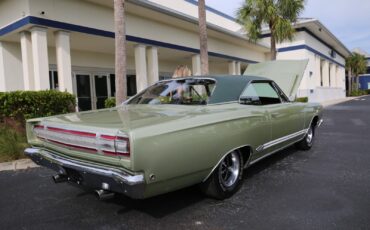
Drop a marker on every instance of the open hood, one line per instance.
(287, 74)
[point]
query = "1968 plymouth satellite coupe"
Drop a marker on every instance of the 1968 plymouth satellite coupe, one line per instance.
(174, 134)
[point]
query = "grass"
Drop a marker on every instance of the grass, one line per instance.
(12, 144)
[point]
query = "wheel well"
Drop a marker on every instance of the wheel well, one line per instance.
(246, 153)
(315, 121)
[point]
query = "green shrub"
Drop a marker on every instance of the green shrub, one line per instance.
(356, 93)
(21, 105)
(110, 102)
(12, 144)
(301, 99)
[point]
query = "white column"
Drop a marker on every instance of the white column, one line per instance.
(63, 53)
(40, 58)
(2, 69)
(195, 62)
(27, 61)
(333, 75)
(317, 71)
(140, 65)
(238, 68)
(153, 70)
(325, 73)
(232, 67)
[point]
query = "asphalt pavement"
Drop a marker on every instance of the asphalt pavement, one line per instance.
(327, 187)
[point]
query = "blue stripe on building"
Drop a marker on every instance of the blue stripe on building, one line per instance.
(304, 29)
(104, 33)
(299, 47)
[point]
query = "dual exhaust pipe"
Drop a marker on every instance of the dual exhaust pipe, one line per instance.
(100, 193)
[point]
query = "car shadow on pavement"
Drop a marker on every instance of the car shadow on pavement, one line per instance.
(162, 205)
(166, 204)
(269, 161)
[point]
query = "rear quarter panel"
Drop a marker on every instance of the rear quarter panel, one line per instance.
(184, 152)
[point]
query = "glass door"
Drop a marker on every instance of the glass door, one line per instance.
(83, 89)
(101, 90)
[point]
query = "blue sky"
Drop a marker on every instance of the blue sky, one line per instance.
(349, 20)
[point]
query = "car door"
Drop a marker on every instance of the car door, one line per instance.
(286, 118)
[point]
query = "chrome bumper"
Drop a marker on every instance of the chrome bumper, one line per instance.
(90, 175)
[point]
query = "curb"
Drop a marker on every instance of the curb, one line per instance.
(17, 165)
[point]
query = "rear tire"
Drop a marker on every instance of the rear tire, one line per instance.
(226, 179)
(308, 140)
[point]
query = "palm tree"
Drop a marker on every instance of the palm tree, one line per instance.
(203, 37)
(278, 15)
(120, 46)
(356, 64)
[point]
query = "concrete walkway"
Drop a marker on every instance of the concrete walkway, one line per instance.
(17, 165)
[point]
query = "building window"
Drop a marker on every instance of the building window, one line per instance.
(131, 85)
(53, 80)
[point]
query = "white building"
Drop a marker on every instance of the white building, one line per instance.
(69, 45)
(324, 78)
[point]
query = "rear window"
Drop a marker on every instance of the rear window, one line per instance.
(186, 91)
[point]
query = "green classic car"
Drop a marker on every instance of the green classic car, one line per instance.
(174, 134)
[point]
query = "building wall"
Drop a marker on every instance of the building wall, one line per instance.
(12, 10)
(333, 73)
(11, 75)
(79, 13)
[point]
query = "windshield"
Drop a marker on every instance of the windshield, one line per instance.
(189, 91)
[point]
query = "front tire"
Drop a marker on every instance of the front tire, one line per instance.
(226, 179)
(308, 140)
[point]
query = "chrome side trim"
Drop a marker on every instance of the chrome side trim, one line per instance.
(38, 155)
(269, 154)
(280, 140)
(245, 165)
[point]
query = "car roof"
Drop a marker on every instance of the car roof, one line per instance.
(229, 87)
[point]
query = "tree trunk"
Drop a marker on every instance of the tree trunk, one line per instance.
(120, 46)
(357, 82)
(203, 37)
(273, 47)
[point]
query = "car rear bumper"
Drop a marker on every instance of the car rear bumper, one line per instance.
(90, 175)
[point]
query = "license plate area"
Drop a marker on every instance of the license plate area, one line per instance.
(74, 175)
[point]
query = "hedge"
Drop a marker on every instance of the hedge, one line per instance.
(22, 105)
(110, 102)
(301, 99)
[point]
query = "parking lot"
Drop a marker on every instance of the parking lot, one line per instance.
(325, 188)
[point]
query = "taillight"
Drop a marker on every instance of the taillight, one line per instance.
(109, 145)
(115, 145)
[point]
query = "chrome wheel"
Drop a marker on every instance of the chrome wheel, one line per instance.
(309, 136)
(229, 170)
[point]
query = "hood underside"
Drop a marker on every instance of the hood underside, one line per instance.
(287, 74)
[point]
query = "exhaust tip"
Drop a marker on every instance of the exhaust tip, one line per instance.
(60, 178)
(104, 195)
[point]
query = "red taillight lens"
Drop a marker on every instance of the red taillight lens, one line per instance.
(85, 141)
(115, 145)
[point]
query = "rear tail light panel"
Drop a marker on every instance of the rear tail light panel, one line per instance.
(90, 142)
